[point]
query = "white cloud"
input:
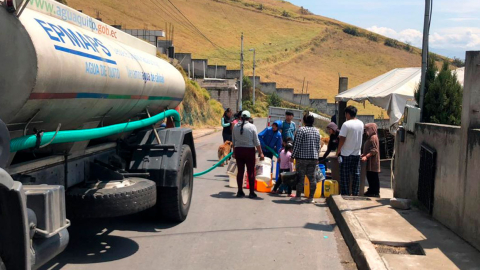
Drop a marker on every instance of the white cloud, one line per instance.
(458, 38)
(411, 36)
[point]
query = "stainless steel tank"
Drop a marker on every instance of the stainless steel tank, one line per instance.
(73, 72)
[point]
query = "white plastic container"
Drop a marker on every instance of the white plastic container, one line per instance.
(232, 181)
(232, 168)
(263, 170)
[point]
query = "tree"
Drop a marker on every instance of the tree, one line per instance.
(246, 88)
(443, 95)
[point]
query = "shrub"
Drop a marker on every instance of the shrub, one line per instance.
(391, 43)
(443, 95)
(352, 31)
(305, 11)
(372, 37)
(286, 14)
(407, 47)
(458, 62)
(274, 100)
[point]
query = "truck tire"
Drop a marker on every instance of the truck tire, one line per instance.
(173, 203)
(111, 199)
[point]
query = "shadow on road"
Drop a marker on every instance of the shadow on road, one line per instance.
(231, 195)
(91, 242)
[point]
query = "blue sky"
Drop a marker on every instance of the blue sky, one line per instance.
(455, 24)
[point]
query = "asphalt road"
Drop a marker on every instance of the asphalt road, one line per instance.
(221, 232)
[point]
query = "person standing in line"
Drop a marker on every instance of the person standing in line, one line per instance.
(226, 124)
(332, 129)
(272, 138)
(245, 140)
(349, 150)
(289, 128)
(286, 165)
(306, 147)
(371, 155)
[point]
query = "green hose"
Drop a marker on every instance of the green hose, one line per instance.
(271, 150)
(68, 136)
(214, 166)
(227, 157)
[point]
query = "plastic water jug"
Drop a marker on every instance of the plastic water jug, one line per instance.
(330, 187)
(232, 168)
(263, 170)
(232, 181)
(306, 189)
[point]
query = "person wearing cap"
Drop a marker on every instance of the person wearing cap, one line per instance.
(288, 128)
(332, 129)
(245, 140)
(272, 138)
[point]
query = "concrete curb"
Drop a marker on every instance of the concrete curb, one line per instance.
(363, 252)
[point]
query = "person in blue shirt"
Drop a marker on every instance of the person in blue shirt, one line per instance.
(288, 127)
(271, 137)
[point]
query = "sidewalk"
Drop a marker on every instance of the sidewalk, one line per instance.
(198, 133)
(380, 237)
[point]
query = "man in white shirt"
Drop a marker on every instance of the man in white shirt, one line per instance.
(349, 151)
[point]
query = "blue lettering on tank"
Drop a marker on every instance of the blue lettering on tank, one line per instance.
(47, 29)
(73, 38)
(58, 31)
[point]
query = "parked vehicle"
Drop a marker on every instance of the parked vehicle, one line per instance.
(277, 113)
(78, 108)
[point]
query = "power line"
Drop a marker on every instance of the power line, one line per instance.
(200, 32)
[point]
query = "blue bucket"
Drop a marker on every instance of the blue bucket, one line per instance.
(322, 168)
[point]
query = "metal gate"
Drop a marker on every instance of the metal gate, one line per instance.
(426, 177)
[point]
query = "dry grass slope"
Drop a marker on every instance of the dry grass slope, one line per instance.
(288, 48)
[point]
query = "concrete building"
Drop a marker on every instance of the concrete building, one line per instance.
(438, 165)
(184, 59)
(199, 68)
(233, 74)
(331, 108)
(319, 104)
(268, 87)
(218, 72)
(224, 91)
(366, 118)
(285, 94)
(302, 99)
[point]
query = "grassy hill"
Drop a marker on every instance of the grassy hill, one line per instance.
(290, 42)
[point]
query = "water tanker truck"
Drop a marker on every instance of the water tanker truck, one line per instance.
(81, 104)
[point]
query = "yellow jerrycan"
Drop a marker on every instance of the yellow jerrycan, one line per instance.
(330, 187)
(306, 189)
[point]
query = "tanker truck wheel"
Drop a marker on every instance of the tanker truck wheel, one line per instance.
(173, 203)
(111, 199)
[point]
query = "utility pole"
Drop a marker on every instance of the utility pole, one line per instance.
(241, 77)
(253, 75)
(426, 30)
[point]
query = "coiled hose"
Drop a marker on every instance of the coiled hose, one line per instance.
(68, 136)
(225, 158)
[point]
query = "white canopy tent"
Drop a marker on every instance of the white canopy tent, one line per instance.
(391, 91)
